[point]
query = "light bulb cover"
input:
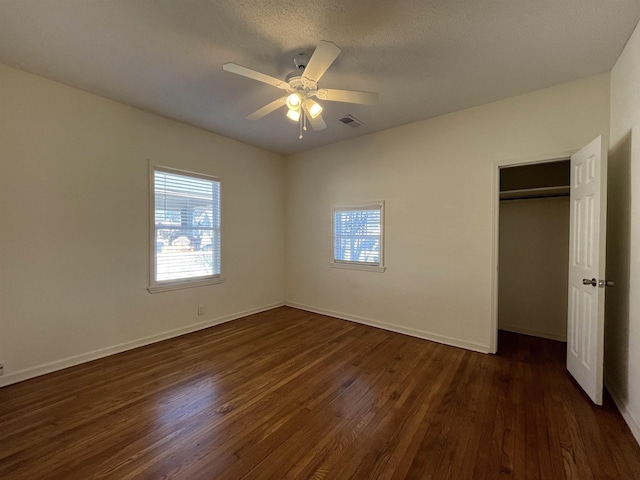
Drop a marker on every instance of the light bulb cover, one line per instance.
(293, 114)
(313, 108)
(293, 101)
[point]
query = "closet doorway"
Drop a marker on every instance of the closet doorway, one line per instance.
(533, 249)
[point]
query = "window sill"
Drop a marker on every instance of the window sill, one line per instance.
(353, 266)
(177, 286)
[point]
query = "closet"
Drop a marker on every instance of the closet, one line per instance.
(534, 249)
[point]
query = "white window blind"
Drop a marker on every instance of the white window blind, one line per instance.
(186, 227)
(357, 235)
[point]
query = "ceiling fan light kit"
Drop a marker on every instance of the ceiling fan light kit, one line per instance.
(313, 108)
(293, 101)
(294, 114)
(301, 87)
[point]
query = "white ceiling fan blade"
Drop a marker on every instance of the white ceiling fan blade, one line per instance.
(267, 109)
(261, 77)
(317, 123)
(347, 96)
(322, 58)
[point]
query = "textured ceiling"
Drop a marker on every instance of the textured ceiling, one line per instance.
(423, 57)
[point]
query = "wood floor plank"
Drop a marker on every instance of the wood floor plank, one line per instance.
(289, 394)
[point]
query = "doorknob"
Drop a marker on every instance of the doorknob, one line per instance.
(593, 282)
(605, 283)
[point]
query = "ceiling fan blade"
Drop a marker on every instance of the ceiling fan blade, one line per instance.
(267, 109)
(317, 123)
(322, 58)
(347, 96)
(261, 77)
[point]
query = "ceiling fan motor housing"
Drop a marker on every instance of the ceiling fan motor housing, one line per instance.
(300, 84)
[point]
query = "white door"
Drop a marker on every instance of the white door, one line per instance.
(585, 328)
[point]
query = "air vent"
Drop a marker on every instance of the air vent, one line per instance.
(351, 121)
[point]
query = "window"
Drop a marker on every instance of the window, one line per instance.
(185, 229)
(358, 236)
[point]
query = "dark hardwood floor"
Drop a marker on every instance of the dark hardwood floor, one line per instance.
(288, 394)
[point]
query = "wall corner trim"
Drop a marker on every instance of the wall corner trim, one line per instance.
(632, 421)
(452, 342)
(54, 366)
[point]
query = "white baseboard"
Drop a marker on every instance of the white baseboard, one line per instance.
(533, 333)
(453, 342)
(43, 369)
(632, 421)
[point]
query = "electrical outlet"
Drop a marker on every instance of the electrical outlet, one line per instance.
(200, 309)
(1, 368)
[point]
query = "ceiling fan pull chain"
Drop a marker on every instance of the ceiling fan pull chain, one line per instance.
(301, 120)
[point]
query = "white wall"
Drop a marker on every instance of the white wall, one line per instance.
(437, 177)
(74, 226)
(622, 348)
(534, 266)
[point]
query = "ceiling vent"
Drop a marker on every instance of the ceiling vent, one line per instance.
(351, 121)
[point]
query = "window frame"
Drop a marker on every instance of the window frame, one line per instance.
(175, 284)
(353, 265)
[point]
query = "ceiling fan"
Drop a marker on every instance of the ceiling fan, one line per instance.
(301, 87)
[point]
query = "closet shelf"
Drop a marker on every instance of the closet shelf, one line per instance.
(540, 192)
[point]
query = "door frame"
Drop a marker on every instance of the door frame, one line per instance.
(495, 219)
